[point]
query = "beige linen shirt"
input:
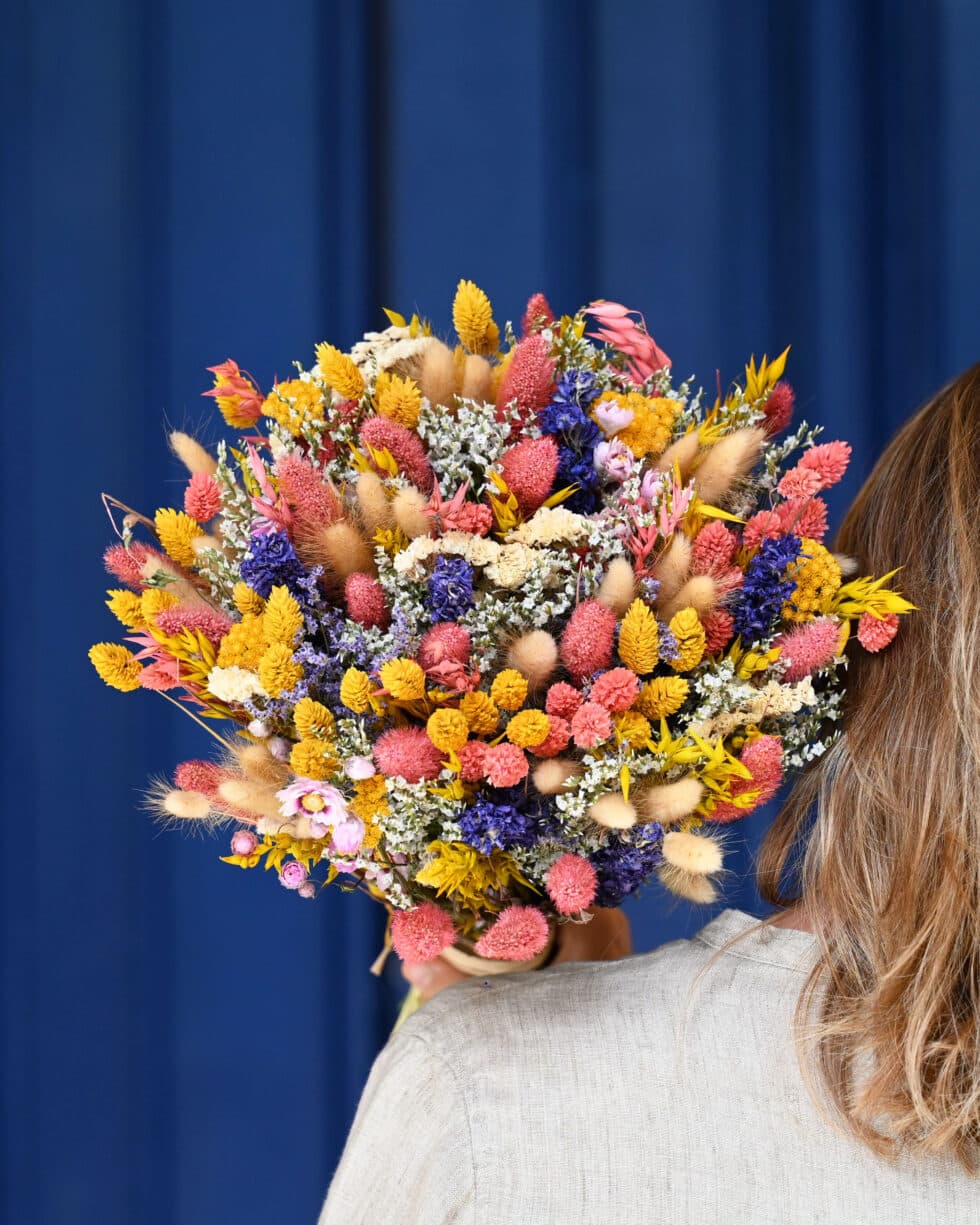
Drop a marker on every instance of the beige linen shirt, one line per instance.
(620, 1093)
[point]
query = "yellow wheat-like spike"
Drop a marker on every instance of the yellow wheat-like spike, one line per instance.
(639, 639)
(340, 372)
(473, 319)
(687, 629)
(398, 399)
(282, 619)
(662, 697)
(313, 720)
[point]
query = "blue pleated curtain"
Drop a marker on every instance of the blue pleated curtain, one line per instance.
(184, 182)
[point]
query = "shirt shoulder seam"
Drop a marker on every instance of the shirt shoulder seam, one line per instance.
(743, 956)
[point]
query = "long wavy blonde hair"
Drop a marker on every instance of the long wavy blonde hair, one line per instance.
(879, 841)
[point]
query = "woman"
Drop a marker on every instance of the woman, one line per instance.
(686, 1085)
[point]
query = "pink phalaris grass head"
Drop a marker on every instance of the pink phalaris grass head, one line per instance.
(302, 485)
(799, 483)
(804, 517)
(719, 630)
(619, 329)
(365, 599)
(472, 761)
(529, 469)
(422, 933)
(763, 525)
(405, 446)
(127, 564)
(763, 758)
(196, 775)
(874, 634)
(587, 643)
(518, 934)
(444, 641)
(779, 408)
(505, 765)
(563, 700)
(529, 378)
(808, 647)
(197, 618)
(556, 741)
(408, 753)
(828, 460)
(571, 883)
(713, 549)
(160, 676)
(616, 689)
(537, 312)
(591, 725)
(202, 497)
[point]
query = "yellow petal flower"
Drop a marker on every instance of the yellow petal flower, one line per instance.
(448, 730)
(398, 399)
(473, 319)
(356, 690)
(480, 713)
(340, 372)
(116, 666)
(311, 759)
(639, 639)
(176, 531)
(528, 729)
(313, 720)
(278, 670)
(404, 679)
(282, 619)
(247, 600)
(127, 607)
(689, 632)
(661, 697)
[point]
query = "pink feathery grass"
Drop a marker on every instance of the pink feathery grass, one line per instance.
(408, 753)
(528, 379)
(529, 469)
(161, 676)
(719, 630)
(556, 741)
(591, 725)
(310, 497)
(537, 311)
(713, 549)
(472, 761)
(804, 517)
(518, 934)
(874, 634)
(808, 647)
(405, 447)
(630, 338)
(365, 599)
(422, 933)
(571, 883)
(779, 408)
(202, 497)
(616, 689)
(587, 643)
(763, 758)
(828, 460)
(197, 775)
(763, 525)
(505, 765)
(127, 564)
(563, 700)
(444, 641)
(197, 618)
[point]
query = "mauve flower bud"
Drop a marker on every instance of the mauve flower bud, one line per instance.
(292, 874)
(279, 748)
(650, 485)
(307, 889)
(359, 768)
(243, 842)
(258, 729)
(613, 460)
(348, 836)
(611, 417)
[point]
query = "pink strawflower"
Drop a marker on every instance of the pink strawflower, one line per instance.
(828, 460)
(587, 643)
(616, 689)
(405, 446)
(293, 874)
(618, 329)
(804, 517)
(559, 734)
(366, 602)
(529, 469)
(160, 676)
(763, 525)
(719, 630)
(713, 549)
(127, 564)
(537, 311)
(505, 765)
(518, 934)
(528, 379)
(472, 760)
(613, 460)
(444, 641)
(563, 700)
(202, 497)
(571, 883)
(302, 485)
(196, 775)
(808, 647)
(874, 634)
(243, 842)
(422, 933)
(214, 625)
(779, 408)
(472, 517)
(307, 797)
(591, 725)
(408, 753)
(763, 758)
(346, 836)
(800, 482)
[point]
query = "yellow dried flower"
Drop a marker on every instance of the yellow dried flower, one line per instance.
(311, 759)
(398, 399)
(244, 644)
(370, 800)
(817, 578)
(356, 690)
(662, 697)
(687, 629)
(448, 730)
(247, 600)
(282, 619)
(509, 689)
(313, 720)
(340, 372)
(176, 531)
(154, 600)
(480, 713)
(653, 422)
(632, 728)
(278, 670)
(127, 607)
(404, 679)
(468, 876)
(639, 639)
(473, 319)
(528, 728)
(116, 666)
(295, 404)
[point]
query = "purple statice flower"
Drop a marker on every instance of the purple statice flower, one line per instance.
(626, 861)
(757, 605)
(271, 561)
(450, 589)
(488, 826)
(576, 387)
(668, 642)
(650, 589)
(575, 468)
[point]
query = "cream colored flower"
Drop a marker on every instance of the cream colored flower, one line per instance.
(512, 566)
(234, 684)
(770, 701)
(550, 525)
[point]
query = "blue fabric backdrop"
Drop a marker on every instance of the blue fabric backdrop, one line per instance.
(183, 182)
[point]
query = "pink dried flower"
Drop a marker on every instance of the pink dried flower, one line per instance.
(828, 460)
(763, 758)
(347, 836)
(472, 517)
(587, 643)
(563, 700)
(197, 618)
(202, 497)
(405, 446)
(613, 460)
(591, 725)
(874, 634)
(616, 690)
(719, 630)
(196, 775)
(243, 842)
(808, 647)
(571, 883)
(408, 753)
(231, 384)
(559, 734)
(779, 408)
(472, 760)
(713, 549)
(611, 417)
(505, 765)
(519, 933)
(422, 933)
(365, 600)
(528, 379)
(804, 518)
(160, 676)
(292, 874)
(445, 641)
(311, 498)
(630, 338)
(127, 564)
(529, 469)
(763, 525)
(800, 482)
(537, 311)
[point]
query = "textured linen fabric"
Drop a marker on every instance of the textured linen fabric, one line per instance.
(640, 1090)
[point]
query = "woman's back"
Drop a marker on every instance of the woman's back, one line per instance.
(622, 1092)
